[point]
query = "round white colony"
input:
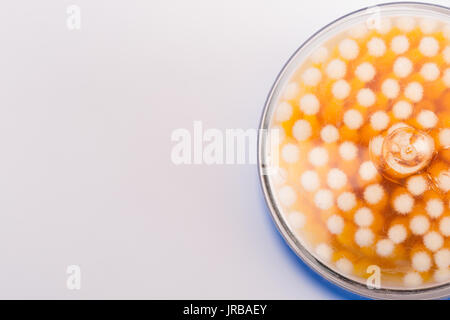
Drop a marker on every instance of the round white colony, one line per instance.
(406, 24)
(320, 55)
(324, 199)
(309, 104)
(429, 46)
(376, 47)
(384, 26)
(363, 217)
(414, 91)
(379, 120)
(341, 89)
(446, 54)
(348, 49)
(324, 252)
(376, 145)
(444, 226)
(433, 241)
(442, 258)
(390, 88)
(446, 77)
(366, 97)
(402, 110)
(291, 91)
(373, 193)
(365, 72)
(336, 179)
(364, 237)
(403, 203)
(441, 275)
(427, 119)
(434, 208)
(287, 196)
(348, 150)
(318, 156)
(296, 220)
(344, 265)
(284, 112)
(310, 180)
(400, 44)
(346, 201)
(368, 171)
(290, 153)
(403, 67)
(311, 76)
(336, 69)
(353, 119)
(412, 279)
(430, 71)
(385, 247)
(421, 261)
(444, 181)
(444, 137)
(417, 185)
(335, 224)
(302, 130)
(419, 225)
(427, 26)
(329, 134)
(397, 233)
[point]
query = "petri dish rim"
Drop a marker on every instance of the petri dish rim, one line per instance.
(304, 50)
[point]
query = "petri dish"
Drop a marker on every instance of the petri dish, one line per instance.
(354, 151)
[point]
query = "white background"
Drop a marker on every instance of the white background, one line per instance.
(85, 170)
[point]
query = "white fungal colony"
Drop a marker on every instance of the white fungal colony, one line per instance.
(417, 185)
(341, 89)
(403, 203)
(366, 97)
(347, 201)
(390, 88)
(368, 171)
(290, 153)
(336, 69)
(400, 44)
(402, 110)
(309, 104)
(302, 130)
(397, 233)
(310, 180)
(373, 193)
(329, 134)
(403, 67)
(414, 91)
(385, 247)
(366, 72)
(364, 217)
(376, 47)
(335, 224)
(312, 76)
(348, 150)
(318, 156)
(379, 120)
(353, 119)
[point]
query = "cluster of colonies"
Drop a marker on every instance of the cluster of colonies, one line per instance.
(347, 96)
